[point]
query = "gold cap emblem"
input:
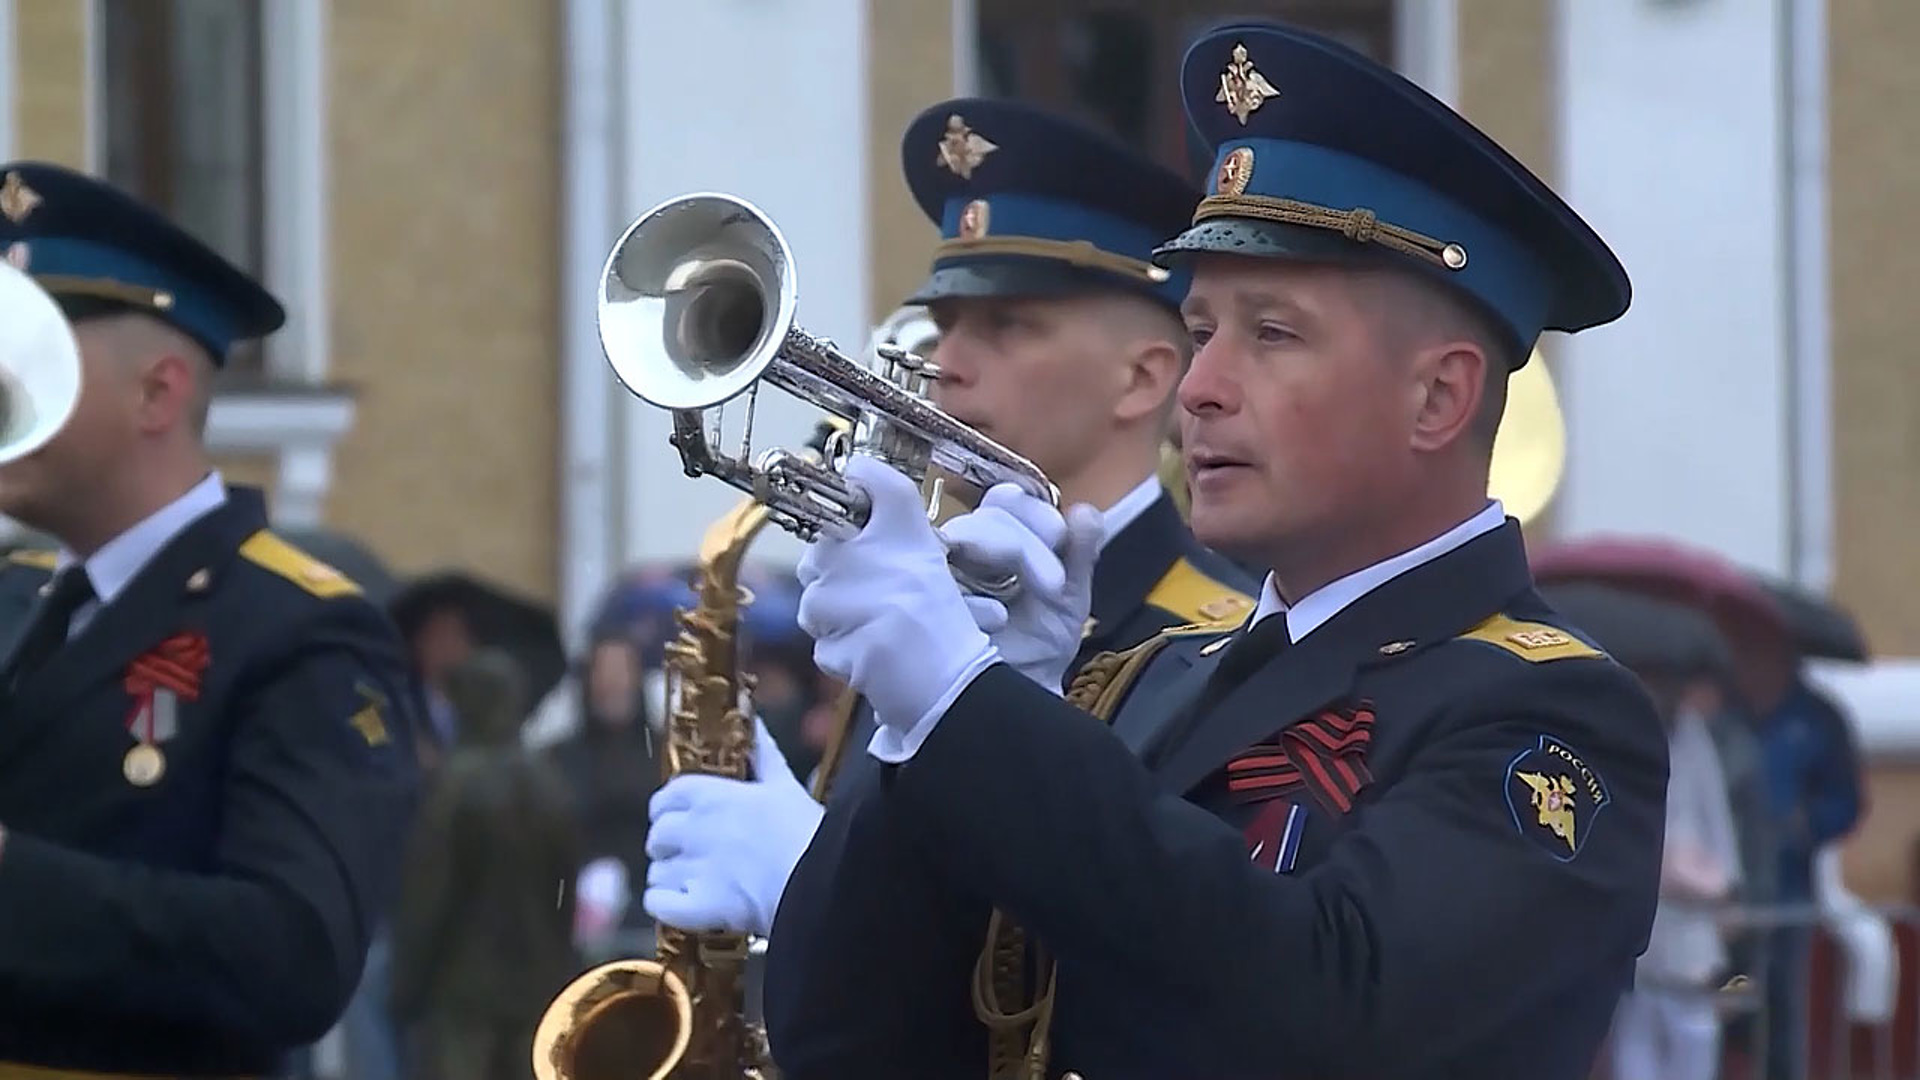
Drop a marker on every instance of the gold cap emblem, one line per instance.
(1242, 88)
(1236, 171)
(962, 149)
(17, 200)
(973, 220)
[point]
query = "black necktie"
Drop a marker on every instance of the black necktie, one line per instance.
(1247, 654)
(48, 631)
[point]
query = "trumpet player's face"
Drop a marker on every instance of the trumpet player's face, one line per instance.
(1294, 418)
(1328, 415)
(1052, 379)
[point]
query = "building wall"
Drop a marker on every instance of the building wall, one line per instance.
(1874, 250)
(444, 210)
(910, 68)
(50, 90)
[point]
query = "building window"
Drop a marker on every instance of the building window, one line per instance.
(1118, 67)
(181, 91)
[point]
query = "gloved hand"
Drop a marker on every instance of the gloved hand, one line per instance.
(882, 607)
(722, 849)
(1042, 626)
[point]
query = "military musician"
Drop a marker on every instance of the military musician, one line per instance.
(205, 764)
(1057, 337)
(1402, 823)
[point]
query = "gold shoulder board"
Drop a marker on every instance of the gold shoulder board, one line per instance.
(39, 560)
(1530, 641)
(1197, 598)
(269, 551)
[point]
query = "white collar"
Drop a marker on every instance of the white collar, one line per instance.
(114, 566)
(1128, 508)
(1329, 600)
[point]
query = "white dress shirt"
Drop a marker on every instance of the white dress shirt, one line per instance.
(1315, 608)
(120, 560)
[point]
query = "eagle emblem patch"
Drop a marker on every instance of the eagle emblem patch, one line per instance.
(1554, 797)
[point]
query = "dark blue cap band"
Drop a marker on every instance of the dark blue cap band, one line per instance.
(81, 268)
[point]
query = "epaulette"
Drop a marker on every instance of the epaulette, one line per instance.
(1192, 595)
(1530, 641)
(39, 560)
(268, 551)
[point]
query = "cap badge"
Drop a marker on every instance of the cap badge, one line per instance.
(1243, 89)
(17, 200)
(973, 220)
(962, 149)
(1236, 171)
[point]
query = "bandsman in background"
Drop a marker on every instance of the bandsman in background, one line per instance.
(206, 735)
(1404, 822)
(1058, 338)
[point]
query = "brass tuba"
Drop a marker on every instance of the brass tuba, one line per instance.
(682, 1015)
(697, 306)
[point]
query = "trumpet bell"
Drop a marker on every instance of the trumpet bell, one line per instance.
(701, 280)
(39, 366)
(624, 1020)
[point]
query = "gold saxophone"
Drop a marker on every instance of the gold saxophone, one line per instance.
(681, 1015)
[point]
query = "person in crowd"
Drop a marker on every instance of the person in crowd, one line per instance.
(1812, 779)
(612, 766)
(482, 936)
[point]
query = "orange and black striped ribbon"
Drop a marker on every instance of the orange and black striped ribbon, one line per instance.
(1325, 754)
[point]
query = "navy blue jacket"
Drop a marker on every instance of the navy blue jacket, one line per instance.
(208, 920)
(1422, 842)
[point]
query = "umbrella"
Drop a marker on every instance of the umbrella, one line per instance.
(350, 557)
(1669, 570)
(522, 628)
(1641, 632)
(1821, 629)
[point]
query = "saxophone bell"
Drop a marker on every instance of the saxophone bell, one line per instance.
(620, 1021)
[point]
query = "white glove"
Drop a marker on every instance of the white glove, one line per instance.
(1041, 629)
(722, 849)
(882, 607)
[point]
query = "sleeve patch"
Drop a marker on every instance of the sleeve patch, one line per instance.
(368, 721)
(1193, 596)
(266, 550)
(1554, 797)
(1533, 642)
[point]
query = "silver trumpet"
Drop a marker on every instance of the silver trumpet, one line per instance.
(697, 305)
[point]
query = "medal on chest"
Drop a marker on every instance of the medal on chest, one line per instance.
(157, 681)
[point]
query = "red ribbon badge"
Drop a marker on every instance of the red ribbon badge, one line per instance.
(161, 676)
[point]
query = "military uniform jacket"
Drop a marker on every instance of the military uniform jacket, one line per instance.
(1424, 841)
(208, 919)
(1150, 576)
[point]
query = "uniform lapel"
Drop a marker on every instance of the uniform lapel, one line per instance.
(1431, 603)
(1143, 725)
(139, 618)
(1131, 564)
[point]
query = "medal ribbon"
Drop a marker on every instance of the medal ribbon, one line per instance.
(175, 665)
